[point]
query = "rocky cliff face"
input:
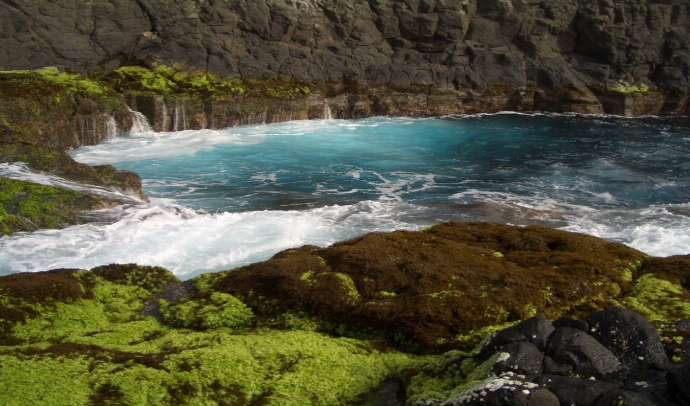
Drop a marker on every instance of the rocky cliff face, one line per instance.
(616, 56)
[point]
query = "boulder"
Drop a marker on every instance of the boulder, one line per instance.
(630, 337)
(584, 353)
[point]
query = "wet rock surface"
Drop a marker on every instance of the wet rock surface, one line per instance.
(514, 380)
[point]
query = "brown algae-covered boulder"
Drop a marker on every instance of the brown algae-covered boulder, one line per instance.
(429, 288)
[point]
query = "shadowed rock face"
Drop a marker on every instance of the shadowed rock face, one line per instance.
(429, 287)
(572, 50)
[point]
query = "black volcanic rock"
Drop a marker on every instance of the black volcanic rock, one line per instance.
(630, 336)
(574, 369)
(583, 352)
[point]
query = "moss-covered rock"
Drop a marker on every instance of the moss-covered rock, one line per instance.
(86, 337)
(77, 337)
(208, 311)
(43, 158)
(26, 206)
(59, 109)
(151, 278)
(444, 285)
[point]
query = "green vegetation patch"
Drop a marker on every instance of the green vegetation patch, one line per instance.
(152, 279)
(658, 299)
(70, 82)
(208, 311)
(629, 89)
(26, 206)
(86, 337)
(179, 81)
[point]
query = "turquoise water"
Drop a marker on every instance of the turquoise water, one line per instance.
(226, 198)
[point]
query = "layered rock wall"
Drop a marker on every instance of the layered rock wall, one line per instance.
(614, 56)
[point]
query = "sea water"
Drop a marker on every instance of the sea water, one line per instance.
(225, 198)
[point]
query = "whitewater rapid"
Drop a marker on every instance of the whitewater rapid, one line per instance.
(226, 198)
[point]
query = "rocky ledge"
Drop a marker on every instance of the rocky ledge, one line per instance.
(28, 206)
(456, 314)
(418, 56)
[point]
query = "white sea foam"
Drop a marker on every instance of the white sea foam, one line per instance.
(151, 145)
(20, 171)
(656, 230)
(189, 242)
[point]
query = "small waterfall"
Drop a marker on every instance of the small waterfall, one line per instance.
(180, 119)
(327, 114)
(139, 123)
(110, 127)
(165, 115)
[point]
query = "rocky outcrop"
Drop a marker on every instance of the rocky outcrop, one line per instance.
(448, 286)
(27, 206)
(617, 359)
(98, 334)
(613, 56)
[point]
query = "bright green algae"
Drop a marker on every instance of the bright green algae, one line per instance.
(100, 349)
(26, 206)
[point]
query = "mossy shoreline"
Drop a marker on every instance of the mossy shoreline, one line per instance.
(311, 326)
(136, 335)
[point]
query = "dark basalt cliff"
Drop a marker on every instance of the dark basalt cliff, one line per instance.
(593, 56)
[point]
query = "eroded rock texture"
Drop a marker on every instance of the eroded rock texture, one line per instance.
(565, 51)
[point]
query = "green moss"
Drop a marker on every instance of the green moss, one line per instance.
(25, 380)
(627, 89)
(205, 281)
(476, 373)
(26, 206)
(443, 377)
(100, 350)
(498, 254)
(176, 81)
(658, 299)
(349, 286)
(627, 275)
(207, 312)
(307, 277)
(152, 279)
(433, 379)
(70, 82)
(137, 78)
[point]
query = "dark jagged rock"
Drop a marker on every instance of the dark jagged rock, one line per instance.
(536, 330)
(577, 391)
(678, 380)
(524, 358)
(584, 353)
(630, 336)
(597, 56)
(515, 372)
(572, 323)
